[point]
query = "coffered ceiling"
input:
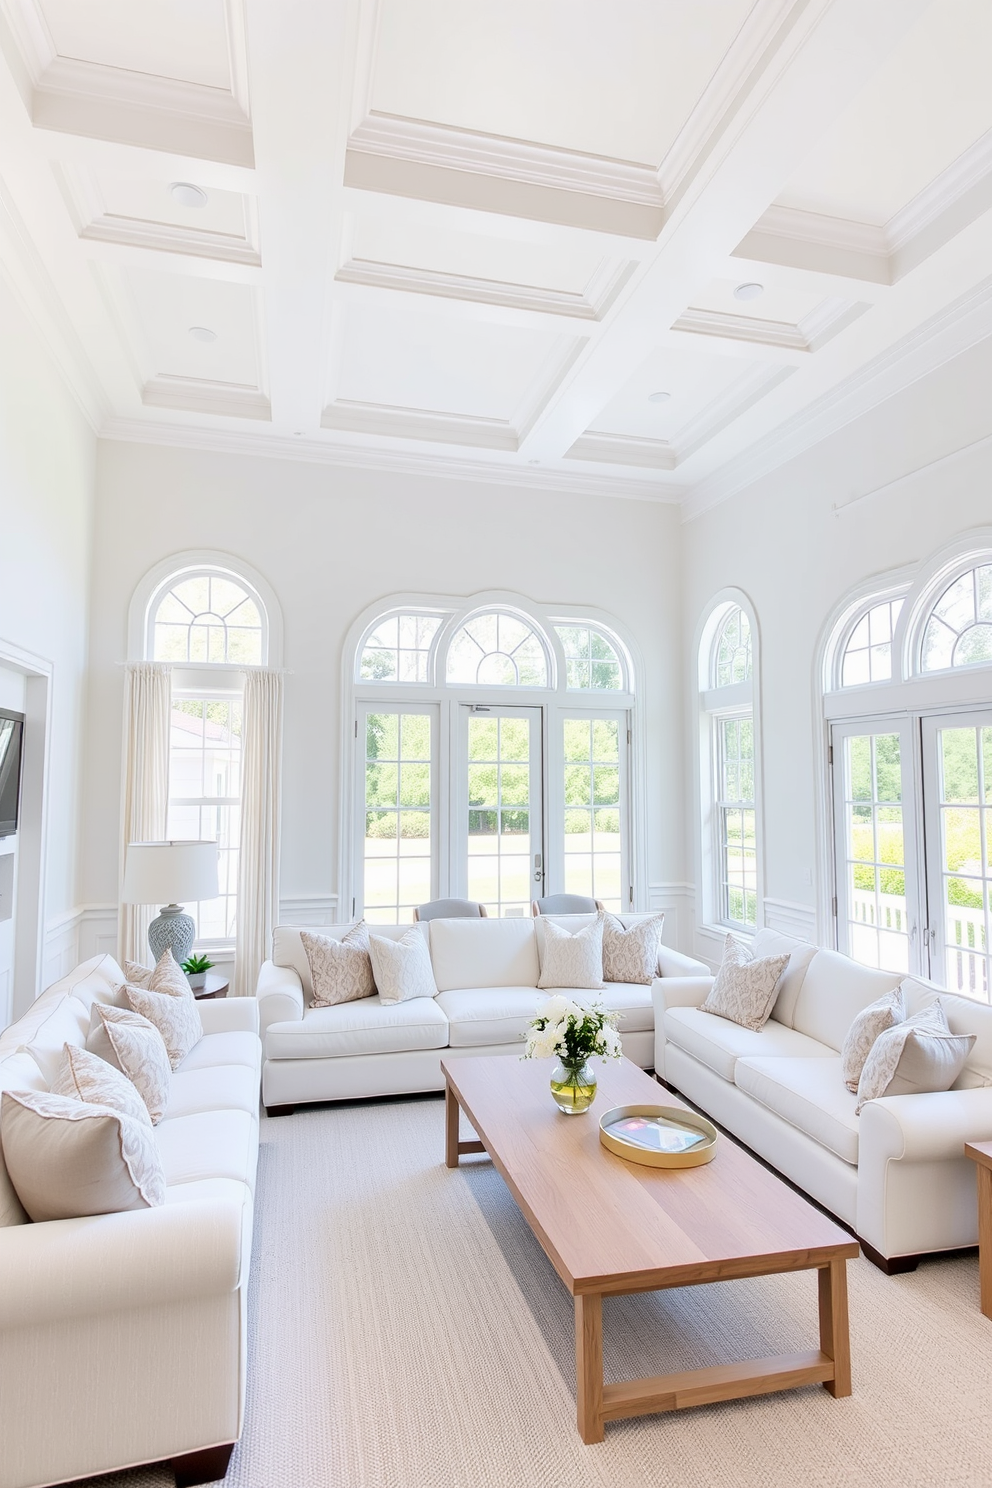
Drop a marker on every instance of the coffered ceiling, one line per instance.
(651, 249)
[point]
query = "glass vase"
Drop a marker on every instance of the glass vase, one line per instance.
(573, 1086)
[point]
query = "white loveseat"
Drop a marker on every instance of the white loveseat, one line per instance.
(896, 1174)
(122, 1336)
(486, 972)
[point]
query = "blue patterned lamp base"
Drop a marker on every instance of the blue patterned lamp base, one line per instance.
(172, 927)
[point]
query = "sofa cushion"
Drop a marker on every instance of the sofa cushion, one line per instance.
(572, 958)
(209, 1144)
(884, 1013)
(834, 991)
(745, 987)
(809, 1094)
(135, 1045)
(176, 1017)
(800, 954)
(632, 1000)
(630, 954)
(718, 1043)
(340, 970)
(964, 1015)
(87, 1077)
(402, 968)
(226, 1087)
(288, 949)
(478, 1016)
(918, 1056)
(67, 1022)
(18, 1071)
(365, 1027)
(484, 953)
(232, 1047)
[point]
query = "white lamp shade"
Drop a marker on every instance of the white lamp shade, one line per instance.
(170, 872)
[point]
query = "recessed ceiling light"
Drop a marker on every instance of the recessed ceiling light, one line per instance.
(188, 195)
(748, 291)
(658, 397)
(533, 462)
(202, 333)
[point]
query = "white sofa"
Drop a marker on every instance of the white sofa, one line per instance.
(486, 972)
(897, 1175)
(122, 1336)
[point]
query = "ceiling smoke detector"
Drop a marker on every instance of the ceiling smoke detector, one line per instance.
(188, 195)
(748, 291)
(658, 397)
(202, 333)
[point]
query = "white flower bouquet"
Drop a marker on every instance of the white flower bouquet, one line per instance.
(567, 1031)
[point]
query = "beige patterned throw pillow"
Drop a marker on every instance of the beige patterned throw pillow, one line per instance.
(573, 960)
(67, 1158)
(631, 955)
(402, 968)
(918, 1055)
(138, 1049)
(176, 1018)
(340, 970)
(886, 1012)
(87, 1077)
(745, 989)
(166, 976)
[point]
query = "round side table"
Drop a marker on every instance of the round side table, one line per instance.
(215, 986)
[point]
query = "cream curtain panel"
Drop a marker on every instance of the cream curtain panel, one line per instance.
(145, 791)
(258, 859)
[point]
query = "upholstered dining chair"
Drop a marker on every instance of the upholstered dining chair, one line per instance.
(565, 904)
(450, 909)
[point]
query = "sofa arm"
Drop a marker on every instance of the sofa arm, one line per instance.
(229, 1015)
(279, 995)
(70, 1268)
(675, 991)
(674, 964)
(929, 1127)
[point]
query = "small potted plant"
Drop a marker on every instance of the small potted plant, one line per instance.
(573, 1035)
(196, 969)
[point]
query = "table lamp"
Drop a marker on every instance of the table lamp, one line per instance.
(163, 873)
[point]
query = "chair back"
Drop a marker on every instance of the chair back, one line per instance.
(566, 904)
(450, 909)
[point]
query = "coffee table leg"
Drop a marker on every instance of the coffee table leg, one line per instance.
(835, 1336)
(451, 1115)
(589, 1367)
(985, 1238)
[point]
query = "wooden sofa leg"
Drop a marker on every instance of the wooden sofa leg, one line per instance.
(280, 1110)
(894, 1266)
(207, 1466)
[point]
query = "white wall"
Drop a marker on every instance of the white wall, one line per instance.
(47, 479)
(797, 541)
(331, 541)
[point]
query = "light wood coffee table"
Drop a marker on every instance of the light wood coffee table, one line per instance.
(610, 1227)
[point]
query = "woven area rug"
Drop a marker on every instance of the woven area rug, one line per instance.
(407, 1331)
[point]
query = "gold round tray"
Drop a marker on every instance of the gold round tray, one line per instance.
(693, 1158)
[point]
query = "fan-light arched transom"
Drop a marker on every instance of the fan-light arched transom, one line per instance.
(398, 649)
(868, 653)
(732, 650)
(497, 650)
(958, 632)
(208, 617)
(592, 663)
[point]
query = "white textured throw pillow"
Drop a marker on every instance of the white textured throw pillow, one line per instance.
(86, 1077)
(917, 1056)
(573, 960)
(340, 970)
(631, 955)
(166, 976)
(137, 1048)
(176, 1018)
(745, 989)
(402, 968)
(886, 1012)
(67, 1159)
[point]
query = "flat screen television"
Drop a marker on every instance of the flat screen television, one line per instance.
(11, 738)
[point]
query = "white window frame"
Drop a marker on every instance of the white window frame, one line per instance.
(734, 700)
(554, 701)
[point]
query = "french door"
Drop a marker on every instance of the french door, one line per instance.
(913, 816)
(497, 825)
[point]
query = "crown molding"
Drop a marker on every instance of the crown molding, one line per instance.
(197, 395)
(384, 420)
(832, 315)
(938, 340)
(623, 449)
(970, 169)
(592, 303)
(410, 463)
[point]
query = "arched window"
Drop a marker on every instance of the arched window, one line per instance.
(209, 622)
(592, 663)
(208, 617)
(729, 812)
(958, 632)
(910, 762)
(492, 757)
(497, 650)
(867, 656)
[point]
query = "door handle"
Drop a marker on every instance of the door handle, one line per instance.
(538, 868)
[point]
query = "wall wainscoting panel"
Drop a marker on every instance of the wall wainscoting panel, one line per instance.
(60, 947)
(791, 919)
(97, 931)
(311, 910)
(678, 902)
